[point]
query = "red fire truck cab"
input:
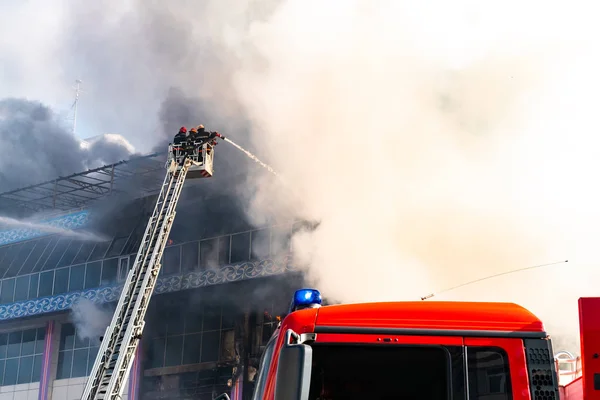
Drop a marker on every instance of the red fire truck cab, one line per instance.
(407, 350)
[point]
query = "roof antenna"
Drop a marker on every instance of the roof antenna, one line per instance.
(490, 277)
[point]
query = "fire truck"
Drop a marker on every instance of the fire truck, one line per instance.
(422, 350)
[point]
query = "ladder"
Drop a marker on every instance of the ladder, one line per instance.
(117, 349)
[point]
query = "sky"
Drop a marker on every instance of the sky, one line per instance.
(434, 143)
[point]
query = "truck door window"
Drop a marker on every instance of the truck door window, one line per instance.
(488, 372)
(380, 372)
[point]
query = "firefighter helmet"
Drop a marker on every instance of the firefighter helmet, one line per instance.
(182, 129)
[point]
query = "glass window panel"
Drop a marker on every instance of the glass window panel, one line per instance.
(189, 256)
(91, 358)
(57, 253)
(171, 260)
(191, 349)
(37, 368)
(80, 358)
(224, 243)
(193, 324)
(28, 346)
(17, 263)
(110, 269)
(1, 371)
(100, 250)
(29, 264)
(175, 323)
(76, 277)
(280, 240)
(212, 319)
(14, 344)
(3, 344)
(240, 247)
(67, 337)
(8, 259)
(33, 286)
(39, 344)
(11, 371)
(22, 288)
(92, 274)
(61, 281)
(7, 291)
(117, 246)
(3, 251)
(210, 346)
(46, 283)
(45, 254)
(84, 253)
(261, 244)
(157, 353)
(209, 255)
(64, 364)
(25, 370)
(174, 351)
(69, 255)
(81, 342)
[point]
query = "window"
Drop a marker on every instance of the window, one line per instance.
(177, 338)
(261, 244)
(7, 291)
(117, 246)
(171, 259)
(17, 263)
(76, 354)
(240, 247)
(40, 246)
(261, 376)
(189, 256)
(488, 373)
(21, 356)
(380, 372)
(72, 250)
(57, 253)
(100, 250)
(61, 281)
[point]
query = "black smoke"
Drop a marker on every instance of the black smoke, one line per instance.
(37, 147)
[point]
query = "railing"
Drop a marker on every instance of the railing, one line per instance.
(181, 257)
(568, 367)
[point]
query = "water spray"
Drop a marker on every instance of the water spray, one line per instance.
(490, 277)
(250, 155)
(50, 229)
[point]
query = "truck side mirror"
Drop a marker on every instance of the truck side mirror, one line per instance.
(293, 372)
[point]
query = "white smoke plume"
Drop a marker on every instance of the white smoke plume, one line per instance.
(437, 143)
(90, 319)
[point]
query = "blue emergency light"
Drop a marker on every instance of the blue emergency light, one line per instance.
(306, 298)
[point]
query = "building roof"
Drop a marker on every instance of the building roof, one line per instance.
(79, 190)
(430, 315)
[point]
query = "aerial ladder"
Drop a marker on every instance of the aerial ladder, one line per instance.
(119, 343)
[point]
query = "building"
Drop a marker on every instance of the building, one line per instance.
(216, 303)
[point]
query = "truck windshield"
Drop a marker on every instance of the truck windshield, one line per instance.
(380, 372)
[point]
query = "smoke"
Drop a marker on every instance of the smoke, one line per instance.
(90, 319)
(37, 147)
(6, 222)
(435, 144)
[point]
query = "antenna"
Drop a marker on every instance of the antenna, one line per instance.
(77, 92)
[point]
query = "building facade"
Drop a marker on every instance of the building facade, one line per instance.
(214, 307)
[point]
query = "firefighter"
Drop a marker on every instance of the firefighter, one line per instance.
(179, 141)
(192, 139)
